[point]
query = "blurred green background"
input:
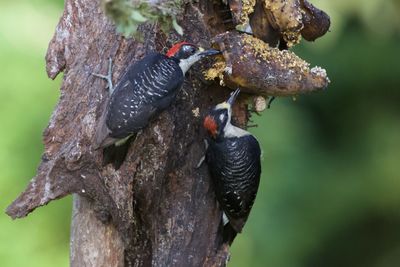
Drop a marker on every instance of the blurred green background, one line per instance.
(330, 190)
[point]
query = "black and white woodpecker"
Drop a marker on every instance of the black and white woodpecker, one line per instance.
(233, 158)
(148, 87)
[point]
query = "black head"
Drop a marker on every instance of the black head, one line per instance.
(187, 54)
(185, 50)
(182, 50)
(220, 116)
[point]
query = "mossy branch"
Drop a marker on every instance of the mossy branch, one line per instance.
(128, 15)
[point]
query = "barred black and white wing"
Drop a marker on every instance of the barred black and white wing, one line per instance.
(235, 168)
(148, 87)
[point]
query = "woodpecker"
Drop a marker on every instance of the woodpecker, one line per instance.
(148, 87)
(233, 159)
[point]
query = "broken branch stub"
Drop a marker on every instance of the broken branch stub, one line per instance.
(286, 17)
(259, 69)
(274, 20)
(316, 22)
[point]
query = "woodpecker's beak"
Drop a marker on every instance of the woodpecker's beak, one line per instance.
(209, 52)
(233, 96)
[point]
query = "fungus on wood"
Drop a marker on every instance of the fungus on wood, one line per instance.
(156, 209)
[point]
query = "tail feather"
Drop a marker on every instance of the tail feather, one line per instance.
(108, 141)
(229, 234)
(114, 149)
(232, 226)
(102, 138)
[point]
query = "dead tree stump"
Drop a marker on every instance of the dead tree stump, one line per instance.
(157, 209)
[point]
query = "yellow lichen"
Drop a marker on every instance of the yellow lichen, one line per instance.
(247, 9)
(292, 38)
(284, 58)
(216, 71)
(196, 112)
(287, 17)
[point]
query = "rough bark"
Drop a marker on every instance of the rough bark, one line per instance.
(157, 209)
(93, 243)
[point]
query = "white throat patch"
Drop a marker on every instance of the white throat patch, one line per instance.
(185, 64)
(230, 130)
(233, 131)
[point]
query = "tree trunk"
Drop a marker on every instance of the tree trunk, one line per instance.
(92, 242)
(157, 209)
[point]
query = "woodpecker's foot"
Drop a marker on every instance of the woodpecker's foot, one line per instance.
(270, 102)
(107, 77)
(203, 158)
(252, 125)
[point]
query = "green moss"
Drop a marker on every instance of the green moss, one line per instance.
(128, 15)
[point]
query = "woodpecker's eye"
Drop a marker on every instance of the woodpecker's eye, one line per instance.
(186, 51)
(189, 49)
